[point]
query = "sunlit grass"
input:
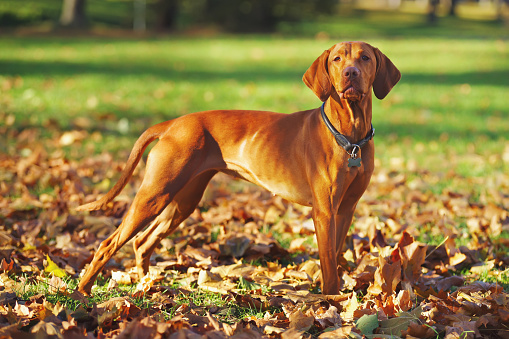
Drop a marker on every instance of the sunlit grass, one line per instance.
(225, 307)
(449, 110)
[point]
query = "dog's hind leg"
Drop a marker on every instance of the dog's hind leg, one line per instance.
(132, 224)
(176, 212)
(166, 174)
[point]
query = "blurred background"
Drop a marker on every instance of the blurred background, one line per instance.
(81, 79)
(236, 16)
(90, 75)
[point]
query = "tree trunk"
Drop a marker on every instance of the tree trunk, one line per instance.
(167, 18)
(452, 9)
(432, 11)
(73, 14)
(139, 15)
(502, 11)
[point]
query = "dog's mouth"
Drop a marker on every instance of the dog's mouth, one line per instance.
(352, 94)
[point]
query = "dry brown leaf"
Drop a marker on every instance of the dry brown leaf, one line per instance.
(349, 308)
(387, 277)
(329, 318)
(22, 311)
(57, 285)
(444, 284)
(419, 331)
(45, 329)
(342, 332)
(299, 321)
(412, 256)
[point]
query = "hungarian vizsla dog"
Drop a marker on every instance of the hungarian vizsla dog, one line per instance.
(321, 158)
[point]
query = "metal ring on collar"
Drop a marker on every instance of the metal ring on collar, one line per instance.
(354, 151)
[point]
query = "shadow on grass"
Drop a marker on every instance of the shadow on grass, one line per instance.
(271, 73)
(429, 132)
(492, 78)
(274, 73)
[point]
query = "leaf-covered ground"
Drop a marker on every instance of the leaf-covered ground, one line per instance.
(426, 257)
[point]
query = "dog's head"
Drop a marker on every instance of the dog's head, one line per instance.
(351, 69)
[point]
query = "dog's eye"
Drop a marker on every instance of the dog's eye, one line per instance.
(337, 58)
(365, 58)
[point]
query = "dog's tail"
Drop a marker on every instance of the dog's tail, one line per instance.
(139, 147)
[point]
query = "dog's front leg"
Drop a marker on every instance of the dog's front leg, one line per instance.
(325, 227)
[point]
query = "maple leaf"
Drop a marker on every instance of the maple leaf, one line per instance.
(419, 331)
(412, 256)
(387, 276)
(272, 330)
(114, 308)
(342, 332)
(349, 307)
(444, 284)
(6, 265)
(46, 329)
(329, 318)
(7, 298)
(22, 311)
(463, 329)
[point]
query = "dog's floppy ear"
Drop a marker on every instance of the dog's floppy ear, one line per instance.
(387, 75)
(317, 77)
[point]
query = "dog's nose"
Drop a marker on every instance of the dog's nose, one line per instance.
(351, 72)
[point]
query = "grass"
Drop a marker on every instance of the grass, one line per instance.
(496, 276)
(225, 307)
(450, 102)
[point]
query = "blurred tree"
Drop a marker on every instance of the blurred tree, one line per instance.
(139, 15)
(432, 11)
(240, 15)
(452, 7)
(502, 11)
(73, 14)
(167, 14)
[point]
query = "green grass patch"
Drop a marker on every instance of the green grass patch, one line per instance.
(224, 307)
(500, 277)
(448, 111)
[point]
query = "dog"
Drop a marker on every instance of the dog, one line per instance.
(323, 157)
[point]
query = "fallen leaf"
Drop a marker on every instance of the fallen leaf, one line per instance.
(121, 278)
(300, 322)
(53, 268)
(56, 285)
(367, 323)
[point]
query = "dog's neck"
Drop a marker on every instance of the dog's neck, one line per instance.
(350, 118)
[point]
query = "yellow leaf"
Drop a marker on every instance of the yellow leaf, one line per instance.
(28, 248)
(53, 268)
